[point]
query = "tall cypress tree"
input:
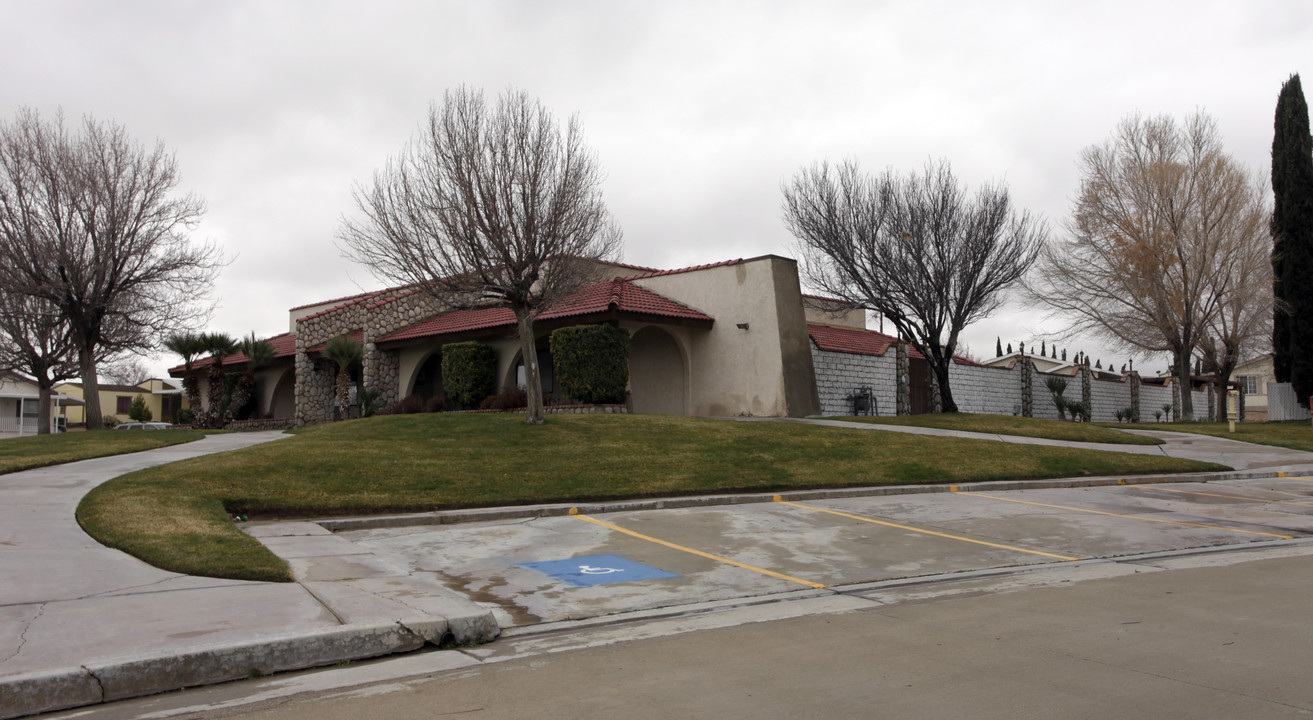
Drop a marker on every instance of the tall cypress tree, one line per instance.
(1292, 235)
(998, 347)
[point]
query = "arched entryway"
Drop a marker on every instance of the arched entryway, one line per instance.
(283, 402)
(657, 374)
(428, 380)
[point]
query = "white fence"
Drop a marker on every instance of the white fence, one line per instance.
(1282, 403)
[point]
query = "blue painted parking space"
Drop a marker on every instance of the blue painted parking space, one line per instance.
(592, 570)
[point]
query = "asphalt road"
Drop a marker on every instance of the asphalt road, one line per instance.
(1219, 635)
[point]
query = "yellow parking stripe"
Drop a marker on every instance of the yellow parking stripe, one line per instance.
(574, 512)
(1234, 497)
(954, 489)
(781, 501)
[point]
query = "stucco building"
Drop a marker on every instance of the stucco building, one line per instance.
(725, 339)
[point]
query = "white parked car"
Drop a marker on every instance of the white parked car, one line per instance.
(143, 426)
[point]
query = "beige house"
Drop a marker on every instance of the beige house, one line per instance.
(725, 339)
(1253, 376)
(163, 397)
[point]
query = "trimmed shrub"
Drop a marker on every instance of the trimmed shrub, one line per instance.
(138, 410)
(511, 397)
(592, 363)
(110, 421)
(469, 373)
(185, 416)
(437, 403)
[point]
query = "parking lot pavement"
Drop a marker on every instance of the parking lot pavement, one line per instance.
(578, 566)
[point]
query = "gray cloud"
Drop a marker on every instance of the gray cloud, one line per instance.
(698, 110)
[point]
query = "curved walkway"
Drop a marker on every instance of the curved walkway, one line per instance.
(81, 623)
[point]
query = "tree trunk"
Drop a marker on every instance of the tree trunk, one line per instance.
(90, 390)
(192, 385)
(533, 387)
(1184, 379)
(43, 406)
(940, 368)
(1224, 384)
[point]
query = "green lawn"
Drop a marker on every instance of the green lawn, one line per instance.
(1297, 435)
(177, 516)
(35, 451)
(1013, 425)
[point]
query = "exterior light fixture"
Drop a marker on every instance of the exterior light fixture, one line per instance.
(743, 326)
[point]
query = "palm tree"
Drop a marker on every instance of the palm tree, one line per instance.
(189, 345)
(258, 354)
(220, 346)
(346, 352)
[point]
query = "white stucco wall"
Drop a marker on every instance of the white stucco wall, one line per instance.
(735, 371)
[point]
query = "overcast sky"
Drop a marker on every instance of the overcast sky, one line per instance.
(697, 110)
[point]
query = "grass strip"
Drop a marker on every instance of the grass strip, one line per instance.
(1295, 434)
(1013, 425)
(36, 451)
(175, 516)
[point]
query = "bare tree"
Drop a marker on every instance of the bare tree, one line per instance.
(93, 224)
(35, 340)
(124, 370)
(913, 248)
(1242, 326)
(1162, 216)
(488, 205)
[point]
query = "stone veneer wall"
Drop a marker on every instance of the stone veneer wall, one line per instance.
(373, 317)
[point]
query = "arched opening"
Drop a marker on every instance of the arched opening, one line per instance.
(283, 402)
(428, 380)
(546, 373)
(657, 376)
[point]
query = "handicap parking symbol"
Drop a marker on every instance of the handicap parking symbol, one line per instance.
(597, 570)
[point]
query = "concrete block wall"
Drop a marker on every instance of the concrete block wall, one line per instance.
(1107, 397)
(1200, 404)
(977, 389)
(1043, 406)
(1152, 398)
(839, 374)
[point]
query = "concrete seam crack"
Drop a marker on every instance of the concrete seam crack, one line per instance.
(22, 637)
(99, 684)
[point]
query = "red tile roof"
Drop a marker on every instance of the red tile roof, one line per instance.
(593, 299)
(342, 300)
(284, 346)
(863, 342)
(357, 335)
(849, 340)
(659, 273)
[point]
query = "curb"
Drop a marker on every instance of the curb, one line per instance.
(130, 677)
(451, 517)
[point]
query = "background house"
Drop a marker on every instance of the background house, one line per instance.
(19, 401)
(163, 397)
(1253, 376)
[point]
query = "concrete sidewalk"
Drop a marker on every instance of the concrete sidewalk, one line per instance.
(1206, 448)
(82, 624)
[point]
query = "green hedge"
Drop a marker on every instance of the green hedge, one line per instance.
(592, 363)
(469, 373)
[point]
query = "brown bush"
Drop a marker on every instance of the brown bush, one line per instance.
(408, 405)
(437, 403)
(510, 398)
